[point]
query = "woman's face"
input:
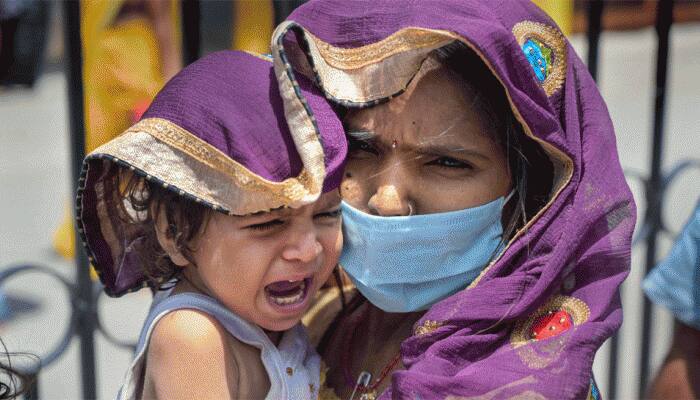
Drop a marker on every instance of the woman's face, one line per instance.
(425, 151)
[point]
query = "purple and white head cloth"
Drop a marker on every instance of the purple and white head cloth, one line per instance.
(217, 133)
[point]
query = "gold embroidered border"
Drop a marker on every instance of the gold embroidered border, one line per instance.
(545, 354)
(264, 57)
(428, 326)
(357, 57)
(578, 310)
(288, 191)
(553, 39)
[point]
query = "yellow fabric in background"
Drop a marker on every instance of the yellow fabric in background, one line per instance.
(561, 11)
(252, 26)
(121, 69)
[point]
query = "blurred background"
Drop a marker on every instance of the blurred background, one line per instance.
(68, 68)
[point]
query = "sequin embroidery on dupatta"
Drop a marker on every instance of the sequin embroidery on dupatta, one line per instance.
(545, 50)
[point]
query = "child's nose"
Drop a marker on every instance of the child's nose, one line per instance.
(303, 246)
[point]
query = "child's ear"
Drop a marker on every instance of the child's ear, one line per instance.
(167, 242)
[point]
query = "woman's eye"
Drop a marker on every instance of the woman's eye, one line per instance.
(266, 225)
(360, 146)
(329, 215)
(449, 162)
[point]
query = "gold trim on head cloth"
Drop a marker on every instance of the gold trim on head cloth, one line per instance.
(300, 120)
(160, 149)
(163, 151)
(368, 75)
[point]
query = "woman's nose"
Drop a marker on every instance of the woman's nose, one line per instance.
(389, 201)
(303, 246)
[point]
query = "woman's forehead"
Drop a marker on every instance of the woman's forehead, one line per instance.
(438, 109)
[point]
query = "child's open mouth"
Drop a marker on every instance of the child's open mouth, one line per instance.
(288, 293)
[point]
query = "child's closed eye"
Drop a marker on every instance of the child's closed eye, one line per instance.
(266, 225)
(334, 214)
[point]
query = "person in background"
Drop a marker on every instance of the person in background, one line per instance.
(23, 31)
(675, 284)
(130, 49)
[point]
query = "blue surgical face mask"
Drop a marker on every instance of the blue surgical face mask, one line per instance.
(404, 264)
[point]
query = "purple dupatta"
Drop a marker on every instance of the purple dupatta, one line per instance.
(530, 325)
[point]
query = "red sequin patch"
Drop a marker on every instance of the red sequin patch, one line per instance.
(550, 325)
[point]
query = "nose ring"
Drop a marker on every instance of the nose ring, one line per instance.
(410, 209)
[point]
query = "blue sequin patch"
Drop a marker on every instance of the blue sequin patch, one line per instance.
(537, 54)
(595, 393)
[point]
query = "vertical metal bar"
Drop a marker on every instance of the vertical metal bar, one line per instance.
(612, 366)
(84, 304)
(191, 33)
(32, 392)
(664, 20)
(284, 8)
(595, 15)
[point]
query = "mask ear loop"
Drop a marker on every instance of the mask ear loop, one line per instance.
(502, 245)
(508, 197)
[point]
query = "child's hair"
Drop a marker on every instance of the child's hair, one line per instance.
(529, 166)
(142, 201)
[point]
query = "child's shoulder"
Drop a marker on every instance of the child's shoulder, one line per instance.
(188, 329)
(189, 346)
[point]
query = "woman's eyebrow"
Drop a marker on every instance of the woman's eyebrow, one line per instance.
(363, 135)
(442, 149)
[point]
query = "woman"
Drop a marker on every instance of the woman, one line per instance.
(675, 284)
(487, 220)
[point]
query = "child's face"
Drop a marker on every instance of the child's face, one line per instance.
(267, 268)
(426, 151)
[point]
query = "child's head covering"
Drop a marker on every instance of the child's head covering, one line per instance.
(217, 135)
(531, 324)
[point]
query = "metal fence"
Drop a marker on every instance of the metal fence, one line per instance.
(85, 294)
(655, 185)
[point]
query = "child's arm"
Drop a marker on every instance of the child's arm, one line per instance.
(189, 358)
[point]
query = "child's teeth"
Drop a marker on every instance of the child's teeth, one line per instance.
(291, 299)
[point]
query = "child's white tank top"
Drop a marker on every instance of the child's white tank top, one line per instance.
(294, 352)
